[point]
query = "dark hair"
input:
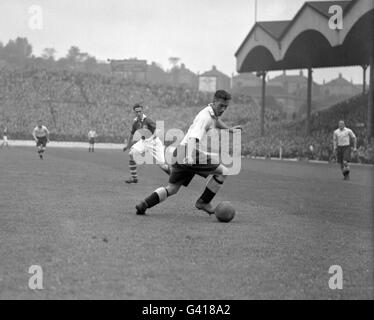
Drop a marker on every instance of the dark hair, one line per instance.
(137, 106)
(222, 95)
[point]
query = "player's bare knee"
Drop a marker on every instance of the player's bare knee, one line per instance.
(221, 171)
(172, 189)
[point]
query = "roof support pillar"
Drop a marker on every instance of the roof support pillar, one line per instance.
(309, 102)
(364, 67)
(370, 118)
(263, 96)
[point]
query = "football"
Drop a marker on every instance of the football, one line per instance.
(225, 212)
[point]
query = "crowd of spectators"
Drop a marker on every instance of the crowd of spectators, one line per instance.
(71, 103)
(288, 139)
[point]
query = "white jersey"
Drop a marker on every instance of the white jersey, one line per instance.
(342, 137)
(92, 134)
(203, 127)
(40, 132)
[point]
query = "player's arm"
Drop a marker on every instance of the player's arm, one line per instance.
(335, 141)
(34, 135)
(151, 126)
(192, 145)
(354, 138)
(221, 125)
(47, 133)
(130, 141)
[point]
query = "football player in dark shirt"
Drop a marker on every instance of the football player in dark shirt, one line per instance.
(151, 144)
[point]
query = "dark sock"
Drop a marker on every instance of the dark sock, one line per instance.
(207, 196)
(152, 200)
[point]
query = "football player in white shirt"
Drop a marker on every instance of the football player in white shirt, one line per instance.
(5, 138)
(91, 140)
(342, 147)
(187, 155)
(41, 137)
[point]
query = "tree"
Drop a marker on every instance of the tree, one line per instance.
(78, 59)
(90, 63)
(174, 61)
(74, 54)
(49, 54)
(1, 50)
(17, 51)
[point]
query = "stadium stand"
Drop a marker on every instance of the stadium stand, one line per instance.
(71, 102)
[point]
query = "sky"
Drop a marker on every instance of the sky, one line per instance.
(202, 33)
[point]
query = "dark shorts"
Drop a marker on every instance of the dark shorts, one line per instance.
(41, 142)
(343, 154)
(91, 141)
(184, 173)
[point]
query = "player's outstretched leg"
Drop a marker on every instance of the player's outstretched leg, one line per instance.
(158, 196)
(214, 184)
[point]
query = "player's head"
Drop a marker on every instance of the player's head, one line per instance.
(138, 110)
(40, 123)
(341, 124)
(221, 101)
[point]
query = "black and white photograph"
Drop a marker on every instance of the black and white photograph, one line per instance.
(186, 155)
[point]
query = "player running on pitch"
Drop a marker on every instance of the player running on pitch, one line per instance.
(92, 135)
(5, 138)
(152, 144)
(342, 147)
(41, 137)
(188, 154)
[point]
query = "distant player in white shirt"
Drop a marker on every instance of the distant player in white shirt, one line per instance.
(342, 147)
(188, 154)
(91, 140)
(5, 138)
(41, 137)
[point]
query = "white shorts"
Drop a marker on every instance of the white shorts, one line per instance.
(5, 139)
(149, 151)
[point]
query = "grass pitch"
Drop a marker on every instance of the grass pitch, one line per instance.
(73, 215)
